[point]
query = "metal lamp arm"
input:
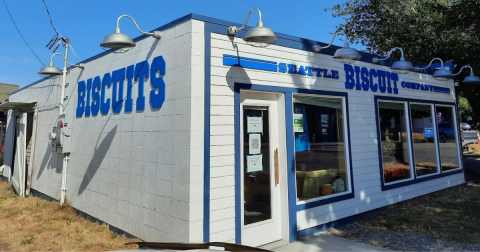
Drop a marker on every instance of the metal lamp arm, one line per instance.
(155, 34)
(248, 16)
(82, 66)
(318, 48)
(232, 30)
(441, 61)
(467, 66)
(391, 51)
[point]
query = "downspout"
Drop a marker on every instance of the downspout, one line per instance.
(64, 179)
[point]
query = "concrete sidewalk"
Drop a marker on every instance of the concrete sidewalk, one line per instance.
(327, 242)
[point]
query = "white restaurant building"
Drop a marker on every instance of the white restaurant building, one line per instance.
(199, 137)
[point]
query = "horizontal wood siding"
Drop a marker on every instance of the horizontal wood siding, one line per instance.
(363, 132)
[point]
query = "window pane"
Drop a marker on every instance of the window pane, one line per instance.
(256, 186)
(423, 136)
(319, 146)
(393, 130)
(446, 137)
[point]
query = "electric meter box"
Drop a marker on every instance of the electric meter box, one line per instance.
(61, 137)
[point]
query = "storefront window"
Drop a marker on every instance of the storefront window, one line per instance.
(320, 163)
(447, 137)
(393, 130)
(423, 139)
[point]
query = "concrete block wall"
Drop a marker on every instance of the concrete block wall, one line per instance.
(140, 171)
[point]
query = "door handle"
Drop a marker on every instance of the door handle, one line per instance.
(277, 175)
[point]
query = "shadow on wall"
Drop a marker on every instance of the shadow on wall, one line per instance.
(98, 156)
(237, 74)
(49, 158)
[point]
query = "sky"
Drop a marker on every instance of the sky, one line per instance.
(87, 22)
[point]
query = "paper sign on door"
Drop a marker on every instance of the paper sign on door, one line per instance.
(254, 144)
(254, 124)
(254, 163)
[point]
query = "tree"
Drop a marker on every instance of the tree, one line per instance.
(425, 29)
(465, 108)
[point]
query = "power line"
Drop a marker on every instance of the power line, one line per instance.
(55, 38)
(21, 33)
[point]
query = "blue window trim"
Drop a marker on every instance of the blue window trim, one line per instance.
(291, 175)
(415, 179)
(206, 138)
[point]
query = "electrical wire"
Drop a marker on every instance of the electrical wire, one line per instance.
(21, 33)
(55, 38)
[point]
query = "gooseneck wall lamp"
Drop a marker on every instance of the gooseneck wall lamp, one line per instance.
(400, 66)
(118, 40)
(472, 79)
(259, 36)
(441, 74)
(346, 54)
(53, 70)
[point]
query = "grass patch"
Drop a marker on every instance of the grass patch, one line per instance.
(32, 224)
(113, 234)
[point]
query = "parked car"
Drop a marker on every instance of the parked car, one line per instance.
(466, 126)
(445, 131)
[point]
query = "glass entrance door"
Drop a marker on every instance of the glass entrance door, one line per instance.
(263, 167)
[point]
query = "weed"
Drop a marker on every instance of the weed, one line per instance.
(80, 239)
(27, 239)
(113, 234)
(392, 223)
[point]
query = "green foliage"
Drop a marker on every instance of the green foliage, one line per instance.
(465, 108)
(425, 29)
(113, 234)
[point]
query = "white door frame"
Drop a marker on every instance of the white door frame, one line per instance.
(275, 229)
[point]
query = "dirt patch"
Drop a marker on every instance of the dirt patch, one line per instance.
(473, 148)
(30, 223)
(444, 220)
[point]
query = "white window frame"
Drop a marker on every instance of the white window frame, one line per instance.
(455, 126)
(435, 140)
(408, 130)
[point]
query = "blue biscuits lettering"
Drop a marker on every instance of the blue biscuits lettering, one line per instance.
(105, 104)
(157, 94)
(92, 95)
(361, 78)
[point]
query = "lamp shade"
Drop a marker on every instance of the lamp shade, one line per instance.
(346, 53)
(472, 79)
(402, 66)
(260, 36)
(50, 70)
(117, 40)
(443, 74)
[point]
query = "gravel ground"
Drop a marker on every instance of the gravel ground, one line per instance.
(399, 240)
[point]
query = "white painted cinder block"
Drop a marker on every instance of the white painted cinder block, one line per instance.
(141, 171)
